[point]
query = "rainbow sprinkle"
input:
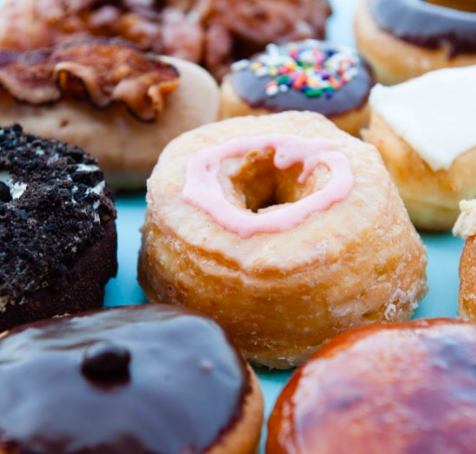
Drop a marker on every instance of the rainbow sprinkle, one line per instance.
(311, 67)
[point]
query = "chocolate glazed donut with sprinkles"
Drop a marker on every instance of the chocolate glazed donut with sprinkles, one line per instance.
(309, 75)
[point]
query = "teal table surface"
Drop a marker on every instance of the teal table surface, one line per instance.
(443, 249)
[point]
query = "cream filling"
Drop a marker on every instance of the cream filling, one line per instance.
(87, 168)
(434, 113)
(16, 189)
(466, 224)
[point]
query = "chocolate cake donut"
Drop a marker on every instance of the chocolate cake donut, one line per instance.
(142, 379)
(57, 229)
(407, 38)
(311, 75)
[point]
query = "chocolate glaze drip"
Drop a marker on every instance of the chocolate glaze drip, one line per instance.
(185, 389)
(352, 96)
(427, 25)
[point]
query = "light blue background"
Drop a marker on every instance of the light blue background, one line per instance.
(443, 250)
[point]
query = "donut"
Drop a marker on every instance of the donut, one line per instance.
(284, 229)
(404, 388)
(423, 130)
(214, 33)
(465, 227)
(109, 98)
(136, 379)
(308, 75)
(402, 39)
(57, 229)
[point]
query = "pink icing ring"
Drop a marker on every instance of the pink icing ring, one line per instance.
(203, 190)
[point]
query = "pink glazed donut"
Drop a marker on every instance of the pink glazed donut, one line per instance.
(284, 229)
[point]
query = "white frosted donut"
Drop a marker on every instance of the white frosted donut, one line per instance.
(284, 229)
(424, 131)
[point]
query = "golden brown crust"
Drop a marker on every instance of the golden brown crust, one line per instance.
(395, 61)
(276, 294)
(467, 275)
(101, 71)
(394, 389)
(231, 105)
(432, 198)
(463, 5)
(465, 227)
(244, 438)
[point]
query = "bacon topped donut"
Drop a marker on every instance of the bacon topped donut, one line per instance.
(99, 70)
(212, 32)
(107, 96)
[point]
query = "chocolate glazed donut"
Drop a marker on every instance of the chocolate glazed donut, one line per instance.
(349, 96)
(403, 39)
(426, 24)
(142, 379)
(309, 75)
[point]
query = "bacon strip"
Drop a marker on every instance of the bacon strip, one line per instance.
(99, 70)
(213, 33)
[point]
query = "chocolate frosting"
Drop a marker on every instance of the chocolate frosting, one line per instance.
(143, 379)
(54, 205)
(427, 25)
(349, 97)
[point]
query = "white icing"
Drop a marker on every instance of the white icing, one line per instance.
(16, 189)
(53, 158)
(240, 65)
(434, 113)
(98, 189)
(87, 168)
(6, 178)
(466, 224)
(390, 311)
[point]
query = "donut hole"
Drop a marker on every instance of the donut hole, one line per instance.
(258, 184)
(462, 5)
